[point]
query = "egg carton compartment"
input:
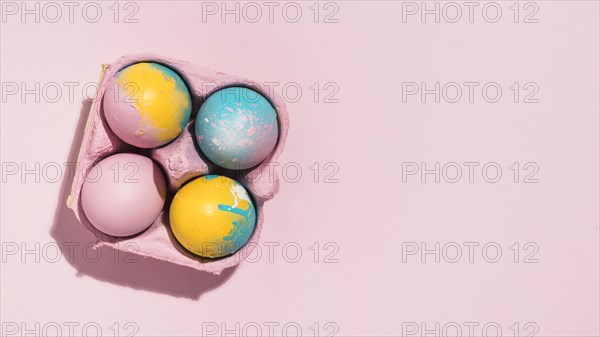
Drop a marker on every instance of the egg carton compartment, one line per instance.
(181, 160)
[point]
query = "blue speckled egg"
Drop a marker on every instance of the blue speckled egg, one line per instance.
(236, 128)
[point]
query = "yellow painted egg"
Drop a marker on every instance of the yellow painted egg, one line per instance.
(147, 105)
(212, 216)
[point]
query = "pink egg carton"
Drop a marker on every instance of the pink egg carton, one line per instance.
(181, 161)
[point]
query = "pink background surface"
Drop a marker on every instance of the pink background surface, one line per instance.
(370, 212)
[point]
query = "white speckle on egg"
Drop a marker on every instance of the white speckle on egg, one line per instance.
(239, 192)
(244, 142)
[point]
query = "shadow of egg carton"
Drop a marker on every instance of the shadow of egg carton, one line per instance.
(181, 160)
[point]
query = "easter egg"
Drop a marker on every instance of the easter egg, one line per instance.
(123, 194)
(236, 128)
(212, 216)
(147, 105)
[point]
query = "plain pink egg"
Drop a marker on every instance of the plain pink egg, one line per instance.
(123, 194)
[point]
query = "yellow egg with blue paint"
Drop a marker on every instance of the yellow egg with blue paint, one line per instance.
(212, 216)
(147, 104)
